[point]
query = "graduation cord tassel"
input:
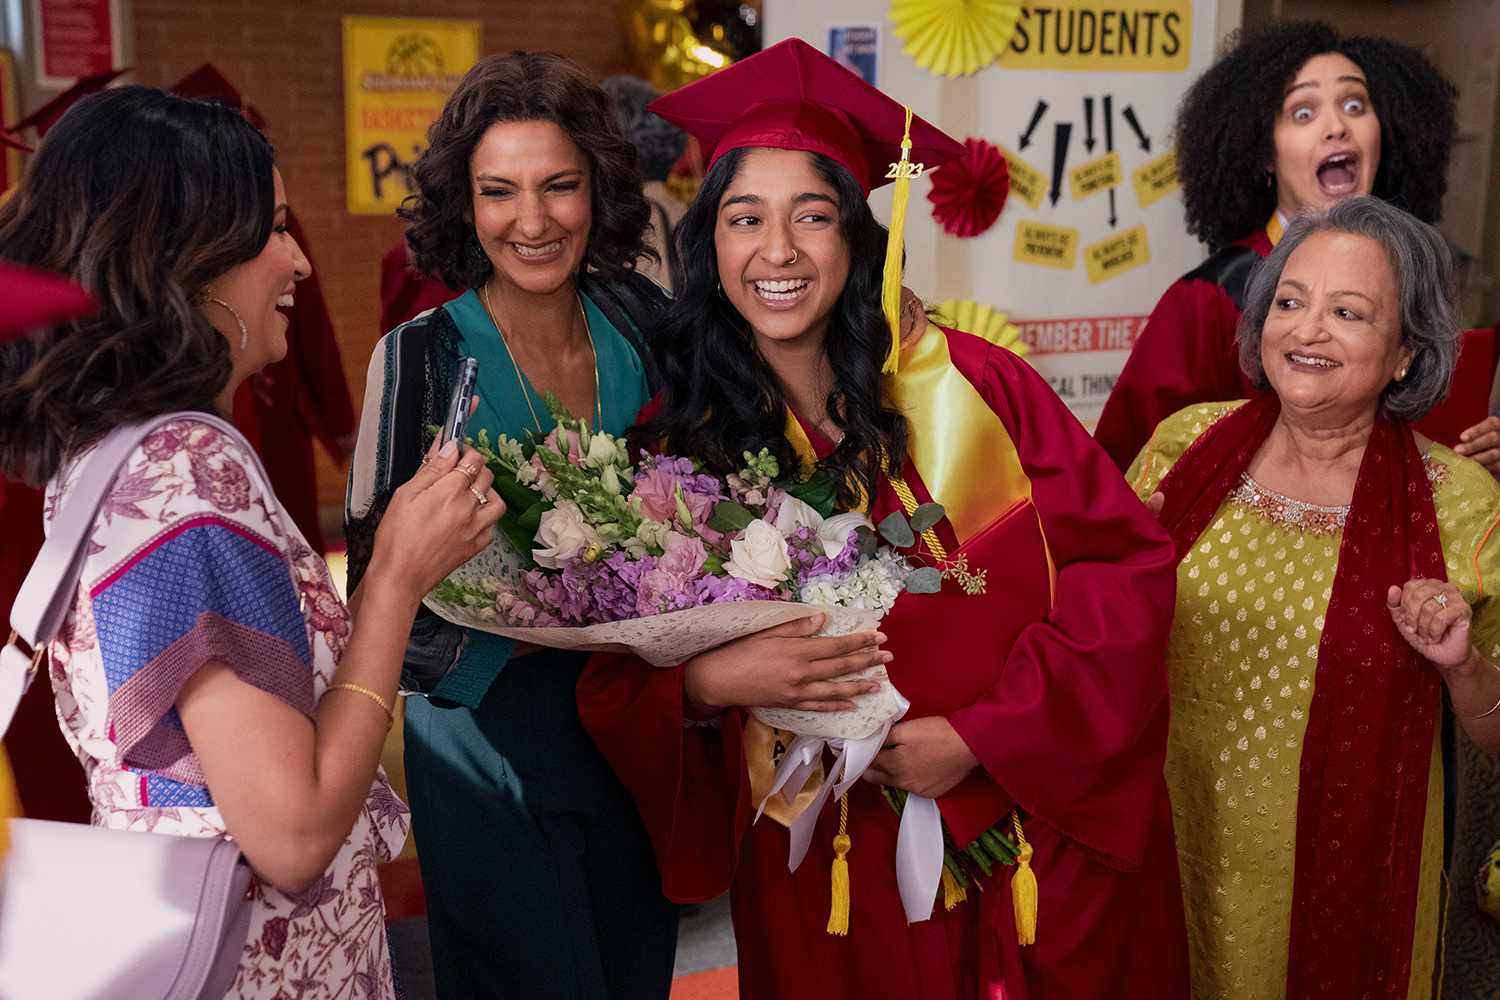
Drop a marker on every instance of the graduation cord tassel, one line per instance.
(1023, 890)
(838, 911)
(890, 285)
(953, 893)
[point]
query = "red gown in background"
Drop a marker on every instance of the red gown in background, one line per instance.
(1074, 733)
(1187, 354)
(404, 292)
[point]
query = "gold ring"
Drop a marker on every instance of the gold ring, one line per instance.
(479, 496)
(470, 473)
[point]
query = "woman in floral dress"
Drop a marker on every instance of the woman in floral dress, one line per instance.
(191, 674)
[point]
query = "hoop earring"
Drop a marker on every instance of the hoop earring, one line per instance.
(244, 332)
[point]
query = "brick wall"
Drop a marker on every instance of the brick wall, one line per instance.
(285, 57)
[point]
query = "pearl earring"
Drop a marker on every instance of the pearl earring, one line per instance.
(244, 331)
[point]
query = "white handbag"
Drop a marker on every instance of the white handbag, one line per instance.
(88, 913)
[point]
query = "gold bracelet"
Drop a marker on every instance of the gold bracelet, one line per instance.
(385, 706)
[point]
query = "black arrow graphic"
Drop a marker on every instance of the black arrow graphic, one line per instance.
(1113, 218)
(1036, 116)
(1109, 123)
(1062, 133)
(1088, 124)
(1135, 127)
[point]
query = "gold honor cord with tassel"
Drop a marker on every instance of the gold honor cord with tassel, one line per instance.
(890, 285)
(1023, 888)
(838, 907)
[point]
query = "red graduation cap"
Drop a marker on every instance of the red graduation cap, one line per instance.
(207, 83)
(791, 96)
(37, 299)
(44, 117)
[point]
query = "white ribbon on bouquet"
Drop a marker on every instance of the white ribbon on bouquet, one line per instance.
(919, 841)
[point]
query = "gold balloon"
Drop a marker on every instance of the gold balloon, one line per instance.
(664, 46)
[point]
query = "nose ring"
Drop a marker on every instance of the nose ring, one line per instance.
(793, 259)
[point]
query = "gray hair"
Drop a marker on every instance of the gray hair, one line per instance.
(1425, 292)
(658, 141)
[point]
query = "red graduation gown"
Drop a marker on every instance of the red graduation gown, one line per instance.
(1075, 733)
(1186, 354)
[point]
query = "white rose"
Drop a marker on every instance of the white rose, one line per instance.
(759, 556)
(602, 451)
(795, 514)
(834, 532)
(562, 534)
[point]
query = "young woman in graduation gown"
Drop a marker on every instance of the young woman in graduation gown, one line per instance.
(1038, 691)
(1291, 117)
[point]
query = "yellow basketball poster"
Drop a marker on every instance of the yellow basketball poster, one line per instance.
(10, 159)
(398, 72)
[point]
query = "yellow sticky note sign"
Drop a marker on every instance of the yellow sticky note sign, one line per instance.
(1155, 179)
(1113, 256)
(1026, 182)
(1095, 176)
(1111, 36)
(1049, 246)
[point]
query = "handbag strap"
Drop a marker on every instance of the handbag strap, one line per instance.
(47, 595)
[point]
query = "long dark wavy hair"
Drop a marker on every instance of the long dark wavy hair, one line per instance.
(523, 87)
(1226, 122)
(143, 198)
(722, 399)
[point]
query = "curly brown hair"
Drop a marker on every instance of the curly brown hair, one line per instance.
(1226, 122)
(521, 87)
(143, 198)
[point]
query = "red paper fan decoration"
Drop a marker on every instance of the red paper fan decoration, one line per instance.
(968, 193)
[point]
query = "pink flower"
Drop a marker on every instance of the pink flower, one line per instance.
(657, 487)
(559, 439)
(683, 556)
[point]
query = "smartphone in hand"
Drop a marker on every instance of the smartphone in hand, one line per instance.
(456, 426)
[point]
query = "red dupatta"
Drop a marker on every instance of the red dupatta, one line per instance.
(1362, 793)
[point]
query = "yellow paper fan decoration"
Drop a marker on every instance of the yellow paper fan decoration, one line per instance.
(981, 321)
(955, 37)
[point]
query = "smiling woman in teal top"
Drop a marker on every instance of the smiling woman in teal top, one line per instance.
(539, 878)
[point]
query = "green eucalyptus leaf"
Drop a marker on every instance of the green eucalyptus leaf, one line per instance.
(867, 539)
(531, 518)
(926, 516)
(729, 516)
(926, 580)
(895, 530)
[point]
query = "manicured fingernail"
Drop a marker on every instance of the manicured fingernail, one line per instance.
(887, 657)
(449, 450)
(879, 638)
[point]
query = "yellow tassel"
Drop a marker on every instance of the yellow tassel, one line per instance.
(890, 285)
(953, 893)
(838, 912)
(1023, 891)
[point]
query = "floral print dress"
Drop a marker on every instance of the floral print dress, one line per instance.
(192, 560)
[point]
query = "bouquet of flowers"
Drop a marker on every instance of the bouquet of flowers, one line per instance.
(664, 560)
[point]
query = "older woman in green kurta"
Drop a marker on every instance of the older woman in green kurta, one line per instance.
(539, 878)
(1333, 624)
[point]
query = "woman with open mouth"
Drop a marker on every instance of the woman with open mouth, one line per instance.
(1292, 118)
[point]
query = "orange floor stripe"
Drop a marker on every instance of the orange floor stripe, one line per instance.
(716, 984)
